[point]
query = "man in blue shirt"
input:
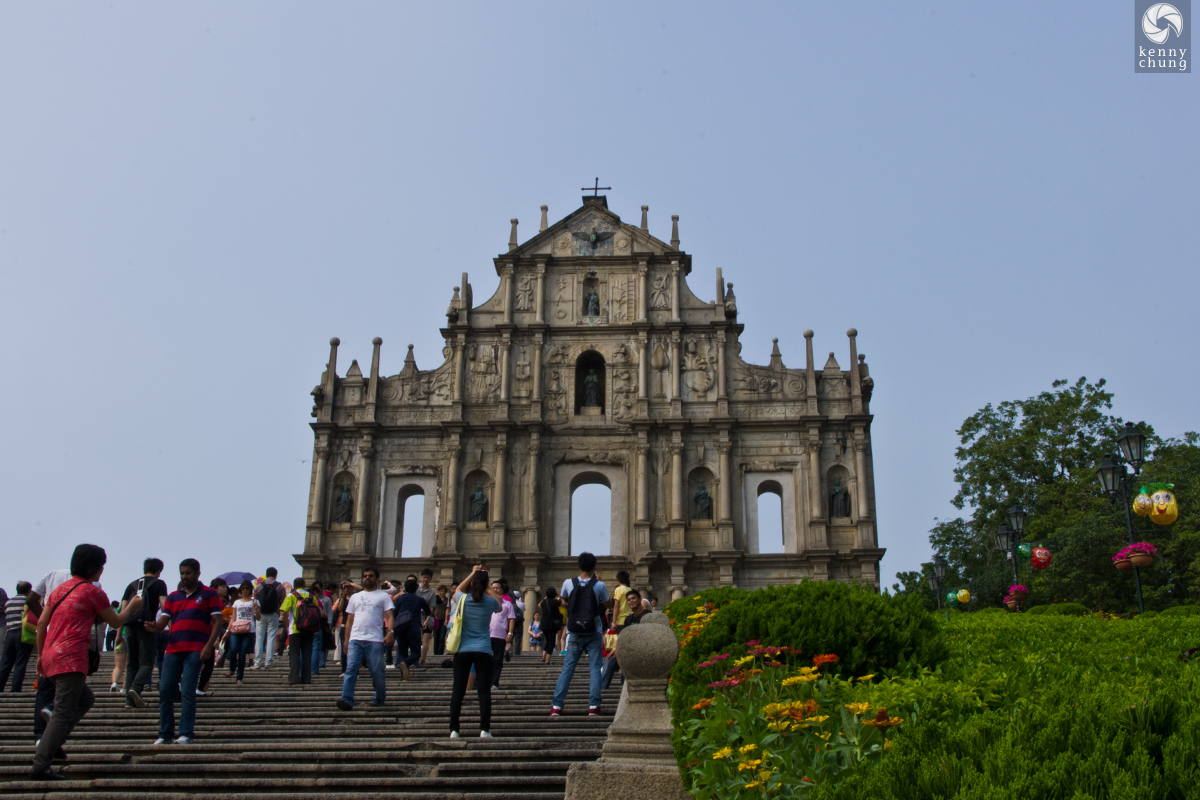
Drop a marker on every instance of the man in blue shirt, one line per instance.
(585, 632)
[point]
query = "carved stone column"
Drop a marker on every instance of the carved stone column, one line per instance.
(674, 291)
(450, 482)
(642, 268)
(531, 514)
(643, 357)
(499, 518)
(459, 346)
(674, 391)
(724, 516)
(359, 526)
(319, 491)
(537, 364)
(539, 309)
(860, 474)
(505, 351)
(506, 276)
(817, 526)
(679, 484)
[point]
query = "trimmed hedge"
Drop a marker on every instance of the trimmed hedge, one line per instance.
(1181, 611)
(869, 632)
(1061, 609)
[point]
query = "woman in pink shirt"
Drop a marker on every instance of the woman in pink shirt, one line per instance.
(64, 637)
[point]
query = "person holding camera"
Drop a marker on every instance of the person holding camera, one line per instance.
(142, 644)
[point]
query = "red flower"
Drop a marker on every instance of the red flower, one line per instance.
(827, 658)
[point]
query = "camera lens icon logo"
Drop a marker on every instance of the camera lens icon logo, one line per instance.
(1159, 20)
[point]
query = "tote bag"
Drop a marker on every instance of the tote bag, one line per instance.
(454, 637)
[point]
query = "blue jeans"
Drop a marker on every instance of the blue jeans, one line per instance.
(576, 645)
(179, 671)
(240, 645)
(264, 639)
(609, 670)
(408, 645)
(372, 653)
(318, 656)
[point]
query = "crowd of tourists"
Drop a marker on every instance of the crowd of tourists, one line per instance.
(187, 633)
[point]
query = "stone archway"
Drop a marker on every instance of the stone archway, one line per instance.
(396, 490)
(568, 478)
(781, 483)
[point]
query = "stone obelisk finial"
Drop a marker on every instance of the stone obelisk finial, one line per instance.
(544, 225)
(674, 231)
(646, 218)
(512, 237)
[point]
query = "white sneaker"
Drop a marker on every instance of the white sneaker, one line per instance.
(161, 741)
(113, 688)
(485, 735)
(184, 740)
(453, 734)
(390, 666)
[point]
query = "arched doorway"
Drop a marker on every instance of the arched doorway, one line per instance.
(591, 512)
(770, 517)
(590, 384)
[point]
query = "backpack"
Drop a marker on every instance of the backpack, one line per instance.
(582, 607)
(551, 618)
(308, 616)
(268, 598)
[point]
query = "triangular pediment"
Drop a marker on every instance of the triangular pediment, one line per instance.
(591, 230)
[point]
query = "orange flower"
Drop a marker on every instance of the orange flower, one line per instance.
(827, 658)
(882, 720)
(705, 703)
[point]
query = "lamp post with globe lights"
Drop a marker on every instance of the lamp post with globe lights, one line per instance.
(1006, 540)
(935, 581)
(1115, 480)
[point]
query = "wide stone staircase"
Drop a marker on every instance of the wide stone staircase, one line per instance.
(267, 739)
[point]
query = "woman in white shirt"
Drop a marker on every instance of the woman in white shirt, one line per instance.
(242, 629)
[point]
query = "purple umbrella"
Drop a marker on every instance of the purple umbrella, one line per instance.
(235, 578)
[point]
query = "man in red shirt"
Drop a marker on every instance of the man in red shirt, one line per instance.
(194, 612)
(64, 637)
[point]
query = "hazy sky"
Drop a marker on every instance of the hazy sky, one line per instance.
(194, 197)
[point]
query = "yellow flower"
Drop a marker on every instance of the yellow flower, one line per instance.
(858, 708)
(825, 735)
(724, 752)
(779, 725)
(748, 748)
(867, 677)
(749, 764)
(743, 660)
(818, 720)
(887, 744)
(792, 681)
(808, 670)
(753, 784)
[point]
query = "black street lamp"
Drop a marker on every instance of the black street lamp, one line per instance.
(1116, 481)
(935, 581)
(1006, 540)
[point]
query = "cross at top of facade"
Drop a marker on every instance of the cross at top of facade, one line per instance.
(597, 188)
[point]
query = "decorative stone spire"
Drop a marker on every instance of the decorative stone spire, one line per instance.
(674, 231)
(512, 237)
(776, 356)
(410, 362)
(545, 210)
(373, 382)
(855, 385)
(646, 218)
(731, 302)
(810, 373)
(455, 304)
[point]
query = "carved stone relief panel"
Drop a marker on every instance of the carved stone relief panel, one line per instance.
(483, 373)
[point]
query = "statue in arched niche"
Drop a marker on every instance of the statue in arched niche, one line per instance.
(839, 499)
(591, 390)
(702, 503)
(342, 504)
(591, 303)
(479, 505)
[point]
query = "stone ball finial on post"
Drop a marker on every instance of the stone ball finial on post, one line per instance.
(637, 762)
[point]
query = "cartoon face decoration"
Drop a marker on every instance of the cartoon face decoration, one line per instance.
(964, 596)
(1164, 510)
(1041, 558)
(1025, 550)
(1142, 504)
(951, 599)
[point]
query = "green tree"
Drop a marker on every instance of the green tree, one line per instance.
(1042, 452)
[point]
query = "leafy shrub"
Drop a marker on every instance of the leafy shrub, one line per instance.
(1182, 611)
(1147, 615)
(991, 610)
(1061, 609)
(870, 633)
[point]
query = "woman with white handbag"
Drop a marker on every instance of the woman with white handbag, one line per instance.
(242, 629)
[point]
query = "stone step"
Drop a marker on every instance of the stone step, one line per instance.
(277, 741)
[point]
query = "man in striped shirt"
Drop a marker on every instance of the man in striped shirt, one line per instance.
(16, 653)
(193, 611)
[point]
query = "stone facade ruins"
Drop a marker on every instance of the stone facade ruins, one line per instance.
(594, 362)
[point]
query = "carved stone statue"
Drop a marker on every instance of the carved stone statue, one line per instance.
(591, 303)
(703, 506)
(341, 508)
(525, 294)
(839, 500)
(660, 292)
(479, 505)
(591, 390)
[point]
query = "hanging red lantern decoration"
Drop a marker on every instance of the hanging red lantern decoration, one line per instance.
(1041, 557)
